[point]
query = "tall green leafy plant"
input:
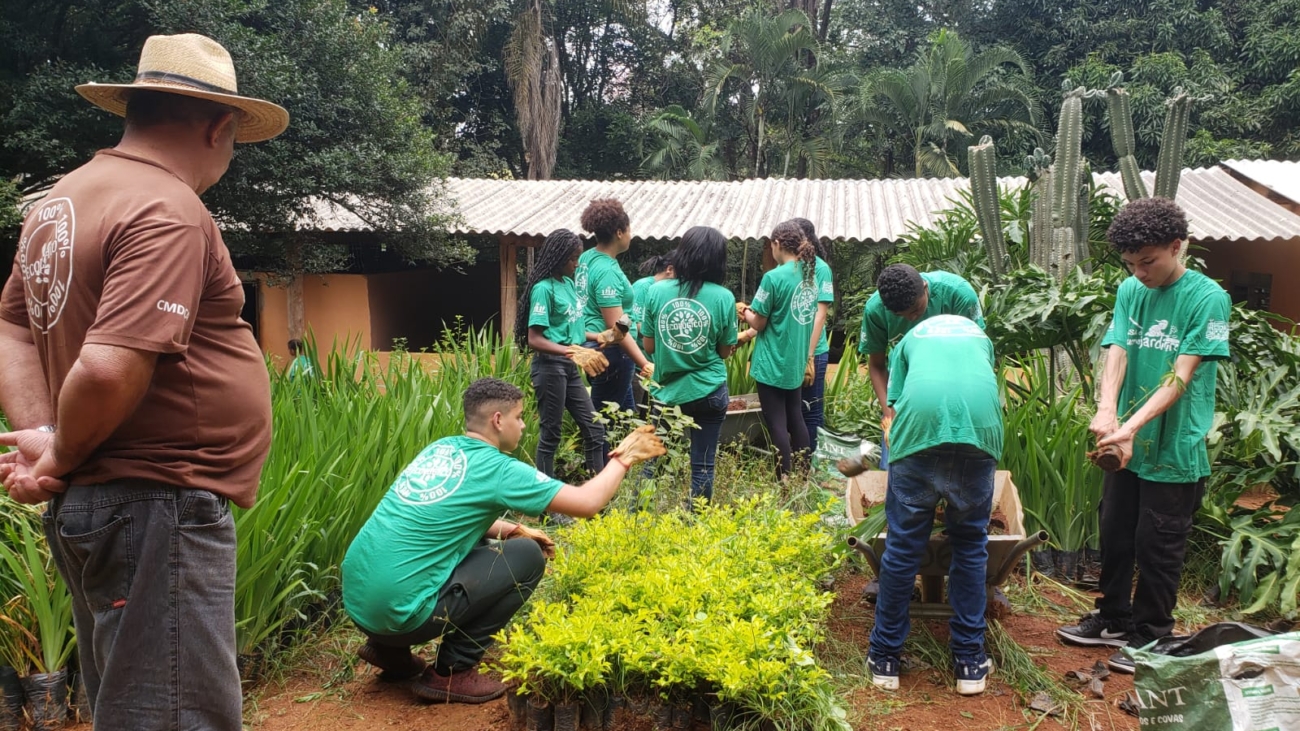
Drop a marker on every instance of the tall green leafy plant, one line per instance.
(43, 619)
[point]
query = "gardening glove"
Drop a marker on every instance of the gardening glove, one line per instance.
(809, 373)
(885, 423)
(591, 362)
(543, 540)
(740, 310)
(639, 446)
(648, 371)
(614, 334)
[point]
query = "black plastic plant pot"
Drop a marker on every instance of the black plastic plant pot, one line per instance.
(597, 710)
(1067, 565)
(518, 706)
(11, 700)
(722, 717)
(539, 715)
(79, 710)
(567, 716)
(1044, 561)
(663, 716)
(683, 717)
(47, 699)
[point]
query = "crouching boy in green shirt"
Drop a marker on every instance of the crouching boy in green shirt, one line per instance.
(428, 563)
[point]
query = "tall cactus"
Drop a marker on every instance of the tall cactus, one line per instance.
(1038, 167)
(1064, 253)
(1169, 166)
(1122, 138)
(988, 210)
(1083, 219)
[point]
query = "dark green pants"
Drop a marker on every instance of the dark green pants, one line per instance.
(483, 593)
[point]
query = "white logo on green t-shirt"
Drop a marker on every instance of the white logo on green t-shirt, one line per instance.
(1161, 336)
(1216, 330)
(803, 305)
(432, 477)
(684, 325)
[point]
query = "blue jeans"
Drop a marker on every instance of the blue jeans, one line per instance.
(708, 413)
(813, 400)
(151, 571)
(962, 476)
(615, 383)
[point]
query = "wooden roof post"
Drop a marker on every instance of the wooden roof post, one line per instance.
(509, 285)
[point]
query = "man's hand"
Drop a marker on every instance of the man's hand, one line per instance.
(591, 362)
(1104, 424)
(642, 444)
(31, 474)
(543, 540)
(616, 333)
(1119, 445)
(809, 372)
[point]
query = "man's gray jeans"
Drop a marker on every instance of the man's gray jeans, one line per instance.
(151, 569)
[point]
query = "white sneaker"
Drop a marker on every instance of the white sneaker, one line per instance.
(971, 677)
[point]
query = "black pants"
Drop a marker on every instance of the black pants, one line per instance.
(1144, 524)
(483, 593)
(558, 387)
(783, 415)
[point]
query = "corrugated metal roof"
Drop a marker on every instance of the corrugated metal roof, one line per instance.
(1280, 176)
(1219, 207)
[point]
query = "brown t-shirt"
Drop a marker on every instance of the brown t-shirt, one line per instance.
(121, 252)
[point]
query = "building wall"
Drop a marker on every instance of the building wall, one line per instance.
(1279, 259)
(335, 306)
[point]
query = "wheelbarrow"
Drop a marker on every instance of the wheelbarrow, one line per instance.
(1004, 550)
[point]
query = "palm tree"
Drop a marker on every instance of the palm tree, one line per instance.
(686, 149)
(771, 73)
(532, 67)
(947, 98)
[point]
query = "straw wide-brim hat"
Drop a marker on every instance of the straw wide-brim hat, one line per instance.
(192, 65)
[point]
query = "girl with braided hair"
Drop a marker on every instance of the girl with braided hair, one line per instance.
(781, 317)
(819, 347)
(550, 322)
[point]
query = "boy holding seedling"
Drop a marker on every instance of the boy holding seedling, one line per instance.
(434, 560)
(1167, 321)
(947, 438)
(903, 298)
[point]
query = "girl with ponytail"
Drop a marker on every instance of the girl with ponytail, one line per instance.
(819, 348)
(781, 318)
(549, 321)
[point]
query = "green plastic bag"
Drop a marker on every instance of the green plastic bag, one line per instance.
(1243, 686)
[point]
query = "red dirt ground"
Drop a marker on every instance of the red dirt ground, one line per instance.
(306, 701)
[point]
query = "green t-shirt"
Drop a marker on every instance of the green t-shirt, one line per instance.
(942, 384)
(554, 305)
(434, 514)
(949, 295)
(639, 289)
(1155, 326)
(789, 304)
(600, 283)
(825, 293)
(687, 333)
(301, 366)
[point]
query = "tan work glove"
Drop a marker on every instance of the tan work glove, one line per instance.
(809, 372)
(615, 334)
(648, 372)
(639, 446)
(591, 362)
(543, 540)
(740, 310)
(885, 423)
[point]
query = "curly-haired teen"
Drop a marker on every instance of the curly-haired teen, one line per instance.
(903, 298)
(820, 347)
(550, 323)
(1167, 319)
(604, 294)
(689, 327)
(781, 318)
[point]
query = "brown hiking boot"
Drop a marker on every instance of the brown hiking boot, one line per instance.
(463, 686)
(396, 663)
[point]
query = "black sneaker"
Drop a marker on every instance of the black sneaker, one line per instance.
(1094, 630)
(884, 671)
(1121, 663)
(972, 676)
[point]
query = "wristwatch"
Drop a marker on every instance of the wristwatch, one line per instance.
(47, 428)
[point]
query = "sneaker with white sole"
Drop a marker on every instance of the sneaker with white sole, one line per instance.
(884, 671)
(1121, 663)
(1094, 630)
(972, 676)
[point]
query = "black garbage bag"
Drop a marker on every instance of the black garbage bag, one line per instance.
(1216, 635)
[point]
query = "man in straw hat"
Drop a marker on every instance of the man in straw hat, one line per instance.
(139, 399)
